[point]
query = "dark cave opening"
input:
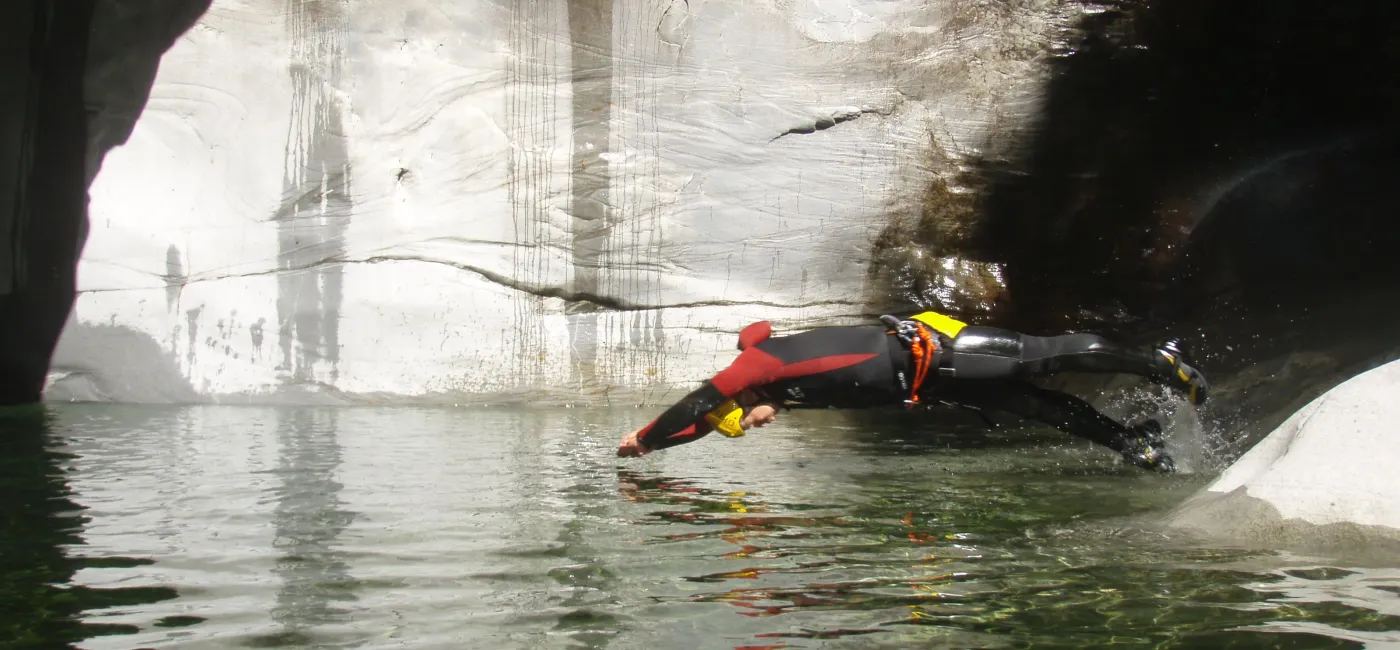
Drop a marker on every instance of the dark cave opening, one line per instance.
(1292, 279)
(1218, 171)
(1313, 222)
(1159, 107)
(1215, 171)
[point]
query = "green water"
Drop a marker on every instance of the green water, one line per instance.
(248, 527)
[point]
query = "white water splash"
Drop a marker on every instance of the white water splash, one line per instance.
(1191, 444)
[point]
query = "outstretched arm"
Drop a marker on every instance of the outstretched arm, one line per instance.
(685, 421)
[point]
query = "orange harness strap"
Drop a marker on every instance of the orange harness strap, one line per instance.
(925, 348)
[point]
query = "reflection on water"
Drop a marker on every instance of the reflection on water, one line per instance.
(308, 520)
(912, 578)
(41, 533)
(375, 527)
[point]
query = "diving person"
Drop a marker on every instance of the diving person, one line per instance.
(928, 357)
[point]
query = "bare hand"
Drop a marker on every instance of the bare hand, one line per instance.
(631, 446)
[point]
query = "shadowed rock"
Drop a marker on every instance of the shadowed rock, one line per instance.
(75, 77)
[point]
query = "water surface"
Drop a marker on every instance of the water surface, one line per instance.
(369, 527)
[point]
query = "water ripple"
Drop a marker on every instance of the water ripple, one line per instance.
(516, 528)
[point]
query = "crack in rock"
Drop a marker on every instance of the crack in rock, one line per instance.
(576, 301)
(583, 301)
(825, 123)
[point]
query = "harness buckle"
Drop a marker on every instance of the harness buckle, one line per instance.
(904, 330)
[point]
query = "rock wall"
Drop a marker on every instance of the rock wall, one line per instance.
(43, 146)
(575, 201)
(542, 200)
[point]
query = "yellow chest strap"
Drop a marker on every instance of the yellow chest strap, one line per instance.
(942, 324)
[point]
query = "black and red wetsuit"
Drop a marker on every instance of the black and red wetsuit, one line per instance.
(832, 366)
(865, 366)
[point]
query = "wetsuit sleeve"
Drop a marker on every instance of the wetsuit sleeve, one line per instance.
(685, 420)
(753, 367)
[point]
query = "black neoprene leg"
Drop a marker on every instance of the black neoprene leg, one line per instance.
(1060, 410)
(993, 353)
(1083, 353)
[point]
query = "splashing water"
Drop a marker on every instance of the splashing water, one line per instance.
(1194, 446)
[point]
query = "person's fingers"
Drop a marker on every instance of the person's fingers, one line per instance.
(631, 446)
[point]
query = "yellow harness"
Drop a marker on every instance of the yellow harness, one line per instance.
(942, 324)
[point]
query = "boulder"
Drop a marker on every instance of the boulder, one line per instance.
(1328, 477)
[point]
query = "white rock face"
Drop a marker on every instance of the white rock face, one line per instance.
(1328, 473)
(448, 200)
